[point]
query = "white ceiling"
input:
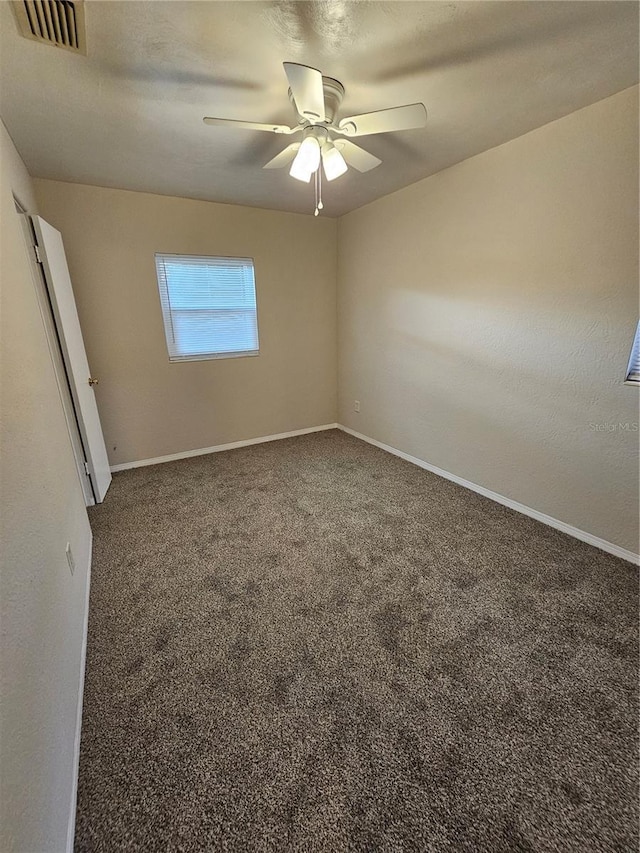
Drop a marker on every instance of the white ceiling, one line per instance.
(130, 113)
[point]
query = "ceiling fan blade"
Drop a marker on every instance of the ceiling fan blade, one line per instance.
(356, 156)
(383, 121)
(284, 157)
(249, 125)
(307, 91)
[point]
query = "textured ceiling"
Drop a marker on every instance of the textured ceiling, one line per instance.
(130, 113)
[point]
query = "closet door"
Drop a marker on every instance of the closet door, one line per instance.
(51, 255)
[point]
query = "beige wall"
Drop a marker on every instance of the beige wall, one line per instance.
(150, 407)
(42, 607)
(486, 316)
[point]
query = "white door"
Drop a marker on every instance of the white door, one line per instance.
(59, 369)
(56, 273)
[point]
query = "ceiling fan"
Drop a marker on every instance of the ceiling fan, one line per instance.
(316, 100)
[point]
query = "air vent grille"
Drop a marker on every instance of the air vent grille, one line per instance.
(56, 22)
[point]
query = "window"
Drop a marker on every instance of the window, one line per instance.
(633, 370)
(208, 305)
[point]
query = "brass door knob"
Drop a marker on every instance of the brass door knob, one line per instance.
(93, 381)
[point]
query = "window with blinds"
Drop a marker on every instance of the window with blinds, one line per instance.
(208, 305)
(633, 370)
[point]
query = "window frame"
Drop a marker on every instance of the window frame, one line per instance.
(634, 356)
(167, 311)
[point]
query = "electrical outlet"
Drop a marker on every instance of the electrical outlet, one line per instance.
(356, 405)
(70, 560)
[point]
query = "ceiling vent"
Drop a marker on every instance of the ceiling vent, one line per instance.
(56, 22)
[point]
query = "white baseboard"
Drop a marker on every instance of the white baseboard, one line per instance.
(569, 529)
(71, 830)
(220, 447)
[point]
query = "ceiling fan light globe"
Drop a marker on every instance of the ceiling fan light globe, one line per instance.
(308, 156)
(300, 172)
(333, 162)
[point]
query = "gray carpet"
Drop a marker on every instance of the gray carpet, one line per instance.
(311, 645)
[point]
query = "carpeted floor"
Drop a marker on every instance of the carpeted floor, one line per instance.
(311, 645)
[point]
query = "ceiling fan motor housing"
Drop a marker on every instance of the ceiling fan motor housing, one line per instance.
(333, 95)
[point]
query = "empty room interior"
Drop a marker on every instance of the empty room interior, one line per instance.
(320, 362)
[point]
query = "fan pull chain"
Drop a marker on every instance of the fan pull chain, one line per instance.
(317, 183)
(315, 187)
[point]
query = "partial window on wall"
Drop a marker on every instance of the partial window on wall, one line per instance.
(208, 305)
(633, 370)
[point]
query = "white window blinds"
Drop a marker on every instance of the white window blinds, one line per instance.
(633, 371)
(208, 305)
